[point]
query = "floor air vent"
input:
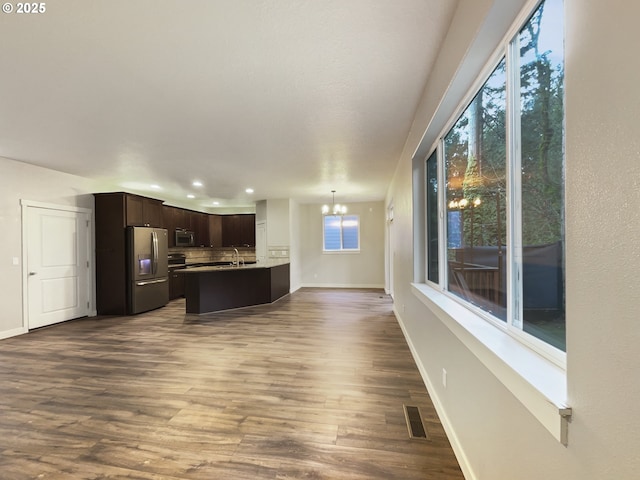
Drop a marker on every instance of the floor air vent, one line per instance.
(414, 422)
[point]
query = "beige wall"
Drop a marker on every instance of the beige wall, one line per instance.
(495, 436)
(295, 249)
(278, 223)
(20, 181)
(363, 269)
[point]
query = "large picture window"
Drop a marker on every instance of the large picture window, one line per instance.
(502, 201)
(540, 58)
(475, 170)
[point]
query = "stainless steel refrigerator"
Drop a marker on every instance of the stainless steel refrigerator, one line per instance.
(148, 272)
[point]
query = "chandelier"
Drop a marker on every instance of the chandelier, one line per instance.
(336, 208)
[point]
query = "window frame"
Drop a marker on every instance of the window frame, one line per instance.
(534, 380)
(507, 50)
(341, 250)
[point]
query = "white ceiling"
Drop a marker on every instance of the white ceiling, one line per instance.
(293, 98)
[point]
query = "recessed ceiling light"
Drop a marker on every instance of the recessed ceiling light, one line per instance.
(155, 187)
(216, 203)
(191, 196)
(197, 183)
(249, 190)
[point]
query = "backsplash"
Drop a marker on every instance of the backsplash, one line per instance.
(215, 254)
(278, 251)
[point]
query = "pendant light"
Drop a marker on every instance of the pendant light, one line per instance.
(336, 208)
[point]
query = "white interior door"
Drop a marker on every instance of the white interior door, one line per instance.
(261, 241)
(57, 265)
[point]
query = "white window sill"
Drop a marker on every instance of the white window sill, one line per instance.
(340, 252)
(539, 384)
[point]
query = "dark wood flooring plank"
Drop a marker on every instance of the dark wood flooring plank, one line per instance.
(311, 386)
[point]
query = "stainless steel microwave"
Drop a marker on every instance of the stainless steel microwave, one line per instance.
(185, 238)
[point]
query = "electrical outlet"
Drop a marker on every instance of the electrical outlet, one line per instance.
(444, 378)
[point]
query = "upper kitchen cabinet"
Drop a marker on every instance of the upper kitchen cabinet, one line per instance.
(215, 230)
(198, 223)
(239, 230)
(200, 226)
(173, 219)
(143, 211)
(127, 209)
(181, 219)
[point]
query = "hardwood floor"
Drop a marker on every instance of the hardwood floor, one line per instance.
(311, 387)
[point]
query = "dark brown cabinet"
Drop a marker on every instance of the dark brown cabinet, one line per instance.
(174, 218)
(239, 230)
(200, 226)
(143, 211)
(182, 219)
(176, 284)
(118, 210)
(127, 209)
(215, 230)
(113, 213)
(215, 290)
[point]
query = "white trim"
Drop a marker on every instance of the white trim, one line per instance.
(341, 252)
(25, 205)
(53, 206)
(538, 383)
(456, 445)
(343, 285)
(388, 251)
(13, 332)
(513, 203)
(505, 51)
(342, 249)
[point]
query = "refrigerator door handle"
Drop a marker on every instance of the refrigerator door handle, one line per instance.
(150, 282)
(154, 251)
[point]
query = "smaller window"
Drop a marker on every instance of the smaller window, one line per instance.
(341, 233)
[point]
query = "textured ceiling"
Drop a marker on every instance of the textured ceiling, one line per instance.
(292, 98)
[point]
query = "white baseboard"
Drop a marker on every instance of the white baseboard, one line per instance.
(463, 461)
(343, 285)
(13, 333)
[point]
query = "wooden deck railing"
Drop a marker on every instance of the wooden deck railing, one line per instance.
(470, 280)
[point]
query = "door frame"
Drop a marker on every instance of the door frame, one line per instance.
(390, 252)
(264, 246)
(25, 205)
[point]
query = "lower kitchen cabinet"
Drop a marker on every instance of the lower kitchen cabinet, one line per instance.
(176, 284)
(212, 289)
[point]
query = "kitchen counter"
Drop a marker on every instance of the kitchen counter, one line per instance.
(212, 288)
(214, 266)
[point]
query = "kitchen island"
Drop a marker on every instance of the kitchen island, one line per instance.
(215, 288)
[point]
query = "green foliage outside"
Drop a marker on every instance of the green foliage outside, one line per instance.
(475, 150)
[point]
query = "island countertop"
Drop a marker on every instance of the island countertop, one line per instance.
(229, 267)
(214, 288)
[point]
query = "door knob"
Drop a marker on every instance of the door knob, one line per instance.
(31, 274)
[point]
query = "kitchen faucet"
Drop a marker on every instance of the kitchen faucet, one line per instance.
(237, 260)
